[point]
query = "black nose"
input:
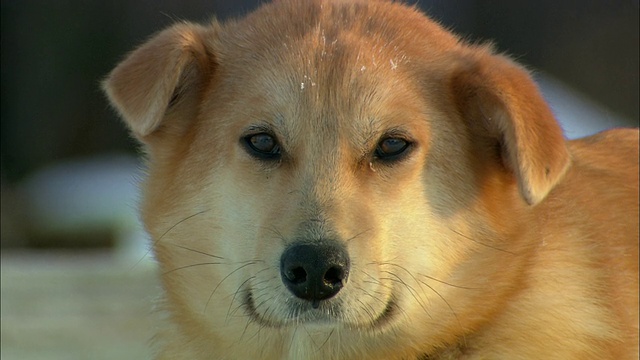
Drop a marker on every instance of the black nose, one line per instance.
(314, 272)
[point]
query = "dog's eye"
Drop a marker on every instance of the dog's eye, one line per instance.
(391, 148)
(262, 145)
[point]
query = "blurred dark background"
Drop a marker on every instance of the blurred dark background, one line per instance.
(54, 54)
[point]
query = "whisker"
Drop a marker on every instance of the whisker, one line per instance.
(221, 281)
(229, 312)
(376, 282)
(180, 222)
(311, 337)
(191, 265)
(196, 251)
(449, 284)
(293, 338)
(246, 326)
(480, 243)
(413, 291)
(455, 315)
(382, 302)
(326, 340)
(278, 234)
(226, 321)
(357, 235)
(165, 233)
(367, 308)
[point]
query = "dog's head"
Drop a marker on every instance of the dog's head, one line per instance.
(351, 169)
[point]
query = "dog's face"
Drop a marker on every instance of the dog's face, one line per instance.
(325, 177)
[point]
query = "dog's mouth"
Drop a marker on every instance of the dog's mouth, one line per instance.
(328, 313)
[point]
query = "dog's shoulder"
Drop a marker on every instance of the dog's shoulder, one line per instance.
(614, 151)
(598, 197)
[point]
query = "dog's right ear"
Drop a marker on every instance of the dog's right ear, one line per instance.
(158, 74)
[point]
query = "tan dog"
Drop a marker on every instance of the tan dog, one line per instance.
(347, 180)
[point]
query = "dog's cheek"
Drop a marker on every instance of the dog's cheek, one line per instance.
(408, 234)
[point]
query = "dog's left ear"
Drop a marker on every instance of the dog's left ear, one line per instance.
(499, 100)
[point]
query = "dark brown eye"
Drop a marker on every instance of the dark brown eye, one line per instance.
(262, 145)
(391, 148)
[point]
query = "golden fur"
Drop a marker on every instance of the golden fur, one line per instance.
(489, 236)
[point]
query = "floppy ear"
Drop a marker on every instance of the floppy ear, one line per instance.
(499, 100)
(157, 75)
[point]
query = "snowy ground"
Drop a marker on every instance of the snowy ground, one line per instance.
(68, 306)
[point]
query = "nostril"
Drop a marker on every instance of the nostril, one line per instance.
(296, 275)
(334, 276)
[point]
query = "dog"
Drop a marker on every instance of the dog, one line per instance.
(349, 180)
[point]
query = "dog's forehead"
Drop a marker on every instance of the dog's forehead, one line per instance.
(337, 92)
(343, 78)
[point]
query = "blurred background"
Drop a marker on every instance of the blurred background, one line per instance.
(77, 281)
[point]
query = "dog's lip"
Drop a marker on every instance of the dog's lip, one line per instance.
(383, 318)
